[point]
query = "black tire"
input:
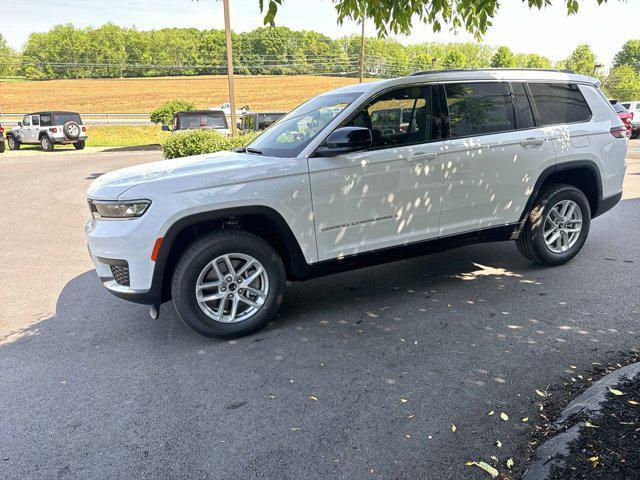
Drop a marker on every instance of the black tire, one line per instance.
(79, 145)
(71, 130)
(531, 241)
(203, 251)
(46, 143)
(635, 133)
(13, 143)
(2, 146)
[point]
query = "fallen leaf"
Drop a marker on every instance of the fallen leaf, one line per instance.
(486, 467)
(495, 459)
(430, 437)
(498, 443)
(633, 402)
(525, 419)
(590, 425)
(314, 398)
(510, 463)
(573, 366)
(540, 393)
(504, 416)
(491, 412)
(594, 461)
(616, 392)
(404, 400)
(453, 427)
(410, 416)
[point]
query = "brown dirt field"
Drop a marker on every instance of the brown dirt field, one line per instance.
(132, 95)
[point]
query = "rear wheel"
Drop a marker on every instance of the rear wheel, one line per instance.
(79, 145)
(557, 226)
(46, 144)
(228, 284)
(13, 143)
(2, 147)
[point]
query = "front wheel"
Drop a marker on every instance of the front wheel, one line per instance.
(2, 147)
(557, 226)
(79, 145)
(228, 284)
(46, 144)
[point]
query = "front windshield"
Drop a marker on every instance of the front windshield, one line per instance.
(289, 136)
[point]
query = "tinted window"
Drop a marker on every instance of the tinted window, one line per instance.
(619, 108)
(35, 120)
(45, 120)
(401, 117)
(295, 131)
(524, 114)
(479, 108)
(62, 118)
(626, 105)
(559, 103)
(201, 121)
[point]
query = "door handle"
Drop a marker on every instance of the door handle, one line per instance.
(532, 141)
(422, 157)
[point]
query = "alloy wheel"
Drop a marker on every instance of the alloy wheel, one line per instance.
(562, 226)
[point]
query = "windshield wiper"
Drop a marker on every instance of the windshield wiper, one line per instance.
(253, 150)
(240, 149)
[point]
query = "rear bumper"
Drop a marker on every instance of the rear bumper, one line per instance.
(65, 140)
(607, 204)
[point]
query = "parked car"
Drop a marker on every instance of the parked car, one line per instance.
(634, 108)
(199, 120)
(226, 108)
(48, 129)
(486, 155)
(258, 121)
(625, 115)
(2, 146)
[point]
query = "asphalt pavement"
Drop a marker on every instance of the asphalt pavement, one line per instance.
(362, 375)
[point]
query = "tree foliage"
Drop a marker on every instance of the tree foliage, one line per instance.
(582, 60)
(629, 55)
(623, 83)
(164, 113)
(110, 51)
(503, 58)
(398, 16)
(7, 56)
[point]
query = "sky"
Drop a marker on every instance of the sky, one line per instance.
(548, 32)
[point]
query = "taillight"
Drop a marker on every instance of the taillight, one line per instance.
(619, 132)
(54, 130)
(84, 129)
(1, 130)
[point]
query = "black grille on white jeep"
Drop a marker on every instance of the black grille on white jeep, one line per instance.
(121, 274)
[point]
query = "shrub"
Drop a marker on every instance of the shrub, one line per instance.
(164, 113)
(196, 142)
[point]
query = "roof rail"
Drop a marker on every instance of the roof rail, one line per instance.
(450, 70)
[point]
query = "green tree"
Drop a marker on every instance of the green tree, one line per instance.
(533, 60)
(164, 113)
(503, 58)
(7, 57)
(454, 59)
(582, 60)
(398, 16)
(623, 83)
(629, 55)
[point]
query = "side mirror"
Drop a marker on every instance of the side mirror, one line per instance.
(165, 128)
(345, 140)
(19, 124)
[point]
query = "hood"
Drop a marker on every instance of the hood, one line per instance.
(183, 173)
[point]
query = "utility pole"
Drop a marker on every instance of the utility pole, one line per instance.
(232, 96)
(361, 69)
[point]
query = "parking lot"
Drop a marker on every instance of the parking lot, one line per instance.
(363, 374)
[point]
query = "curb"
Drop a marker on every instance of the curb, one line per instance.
(590, 402)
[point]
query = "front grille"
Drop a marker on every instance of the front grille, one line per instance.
(121, 274)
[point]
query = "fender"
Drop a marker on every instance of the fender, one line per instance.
(560, 167)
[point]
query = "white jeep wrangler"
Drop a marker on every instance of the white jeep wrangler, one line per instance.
(361, 175)
(48, 129)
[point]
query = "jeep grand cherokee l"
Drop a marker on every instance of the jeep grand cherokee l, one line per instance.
(531, 156)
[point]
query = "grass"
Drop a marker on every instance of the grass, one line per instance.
(125, 135)
(11, 79)
(133, 95)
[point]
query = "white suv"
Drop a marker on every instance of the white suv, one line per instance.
(48, 129)
(362, 175)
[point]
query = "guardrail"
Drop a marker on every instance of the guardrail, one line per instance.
(90, 118)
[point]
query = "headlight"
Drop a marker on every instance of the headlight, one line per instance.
(126, 209)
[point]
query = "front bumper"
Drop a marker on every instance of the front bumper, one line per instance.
(114, 244)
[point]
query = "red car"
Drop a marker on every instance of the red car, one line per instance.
(625, 115)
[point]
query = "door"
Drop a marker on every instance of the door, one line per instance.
(390, 194)
(493, 158)
(34, 130)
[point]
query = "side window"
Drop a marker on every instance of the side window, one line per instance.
(26, 121)
(524, 114)
(559, 103)
(35, 120)
(400, 117)
(45, 120)
(479, 108)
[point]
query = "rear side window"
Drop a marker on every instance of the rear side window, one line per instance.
(45, 120)
(559, 103)
(626, 105)
(479, 108)
(524, 114)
